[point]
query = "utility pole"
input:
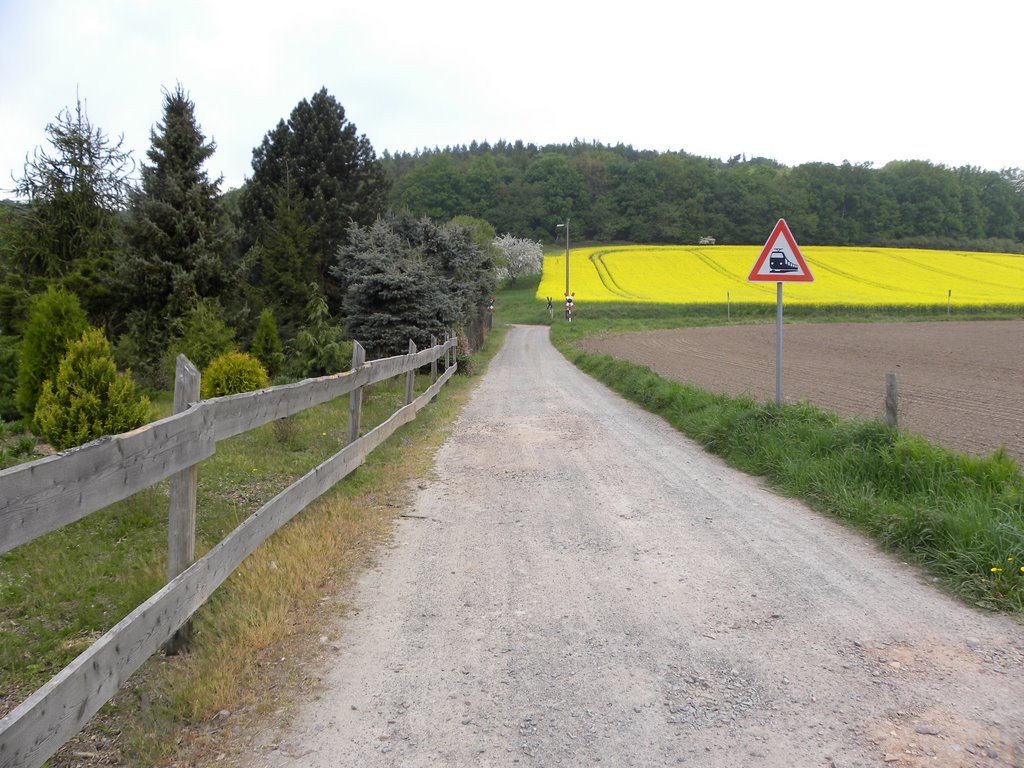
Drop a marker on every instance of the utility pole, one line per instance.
(566, 225)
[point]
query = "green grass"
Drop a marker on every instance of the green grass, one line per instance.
(959, 517)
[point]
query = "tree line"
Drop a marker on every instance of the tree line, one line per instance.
(620, 194)
(157, 260)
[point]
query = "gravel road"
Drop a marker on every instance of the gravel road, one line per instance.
(582, 585)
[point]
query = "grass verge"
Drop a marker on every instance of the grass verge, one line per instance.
(959, 517)
(256, 635)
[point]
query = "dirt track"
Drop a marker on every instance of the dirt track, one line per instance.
(581, 585)
(960, 383)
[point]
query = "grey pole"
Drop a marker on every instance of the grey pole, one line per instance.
(778, 345)
(566, 256)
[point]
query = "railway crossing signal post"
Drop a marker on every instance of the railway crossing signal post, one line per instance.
(780, 262)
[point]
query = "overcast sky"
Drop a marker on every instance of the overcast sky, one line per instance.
(868, 81)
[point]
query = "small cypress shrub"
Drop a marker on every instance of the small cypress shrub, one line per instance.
(266, 344)
(231, 373)
(88, 398)
(55, 319)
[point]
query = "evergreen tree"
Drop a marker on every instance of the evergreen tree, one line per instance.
(179, 232)
(201, 334)
(69, 231)
(407, 278)
(281, 265)
(266, 344)
(335, 171)
(320, 348)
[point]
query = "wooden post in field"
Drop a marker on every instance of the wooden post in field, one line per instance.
(181, 521)
(410, 377)
(355, 398)
(433, 363)
(891, 416)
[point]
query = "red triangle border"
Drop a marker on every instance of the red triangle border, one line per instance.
(755, 276)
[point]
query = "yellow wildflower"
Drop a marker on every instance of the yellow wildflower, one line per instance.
(996, 570)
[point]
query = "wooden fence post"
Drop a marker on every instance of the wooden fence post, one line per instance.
(181, 521)
(410, 377)
(433, 363)
(355, 398)
(891, 415)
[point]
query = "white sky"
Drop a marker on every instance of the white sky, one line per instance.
(867, 81)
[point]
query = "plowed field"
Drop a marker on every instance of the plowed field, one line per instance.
(960, 384)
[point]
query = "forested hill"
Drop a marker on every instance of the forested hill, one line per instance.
(620, 194)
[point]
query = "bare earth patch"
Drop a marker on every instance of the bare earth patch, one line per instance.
(960, 384)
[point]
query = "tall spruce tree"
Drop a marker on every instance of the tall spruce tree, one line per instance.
(179, 233)
(69, 232)
(281, 268)
(334, 170)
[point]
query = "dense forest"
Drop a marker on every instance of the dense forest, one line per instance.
(620, 194)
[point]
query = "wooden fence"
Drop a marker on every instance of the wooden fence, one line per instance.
(44, 495)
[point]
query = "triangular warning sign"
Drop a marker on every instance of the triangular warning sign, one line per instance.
(780, 260)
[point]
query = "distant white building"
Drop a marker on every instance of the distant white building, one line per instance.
(706, 240)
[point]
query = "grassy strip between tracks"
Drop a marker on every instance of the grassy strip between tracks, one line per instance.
(254, 637)
(959, 517)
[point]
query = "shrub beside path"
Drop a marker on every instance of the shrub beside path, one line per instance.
(581, 585)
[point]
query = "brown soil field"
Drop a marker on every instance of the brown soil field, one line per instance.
(960, 384)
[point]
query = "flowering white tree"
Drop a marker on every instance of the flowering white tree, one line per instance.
(519, 256)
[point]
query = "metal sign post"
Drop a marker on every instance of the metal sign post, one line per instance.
(778, 344)
(780, 261)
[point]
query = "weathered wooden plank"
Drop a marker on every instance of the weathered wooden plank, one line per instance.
(43, 495)
(433, 362)
(355, 397)
(181, 513)
(434, 388)
(891, 401)
(240, 413)
(410, 376)
(387, 368)
(236, 414)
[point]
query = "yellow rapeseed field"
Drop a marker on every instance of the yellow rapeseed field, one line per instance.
(685, 274)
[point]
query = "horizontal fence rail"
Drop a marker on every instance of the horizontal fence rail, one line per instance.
(44, 495)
